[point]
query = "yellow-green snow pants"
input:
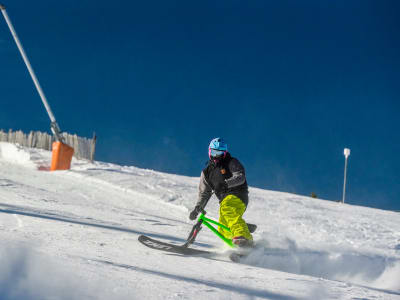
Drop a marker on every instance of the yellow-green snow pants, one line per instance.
(231, 211)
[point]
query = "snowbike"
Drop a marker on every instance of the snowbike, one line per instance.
(185, 250)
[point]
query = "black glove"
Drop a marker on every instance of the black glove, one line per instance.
(221, 187)
(194, 213)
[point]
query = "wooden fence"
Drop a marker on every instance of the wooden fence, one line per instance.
(84, 148)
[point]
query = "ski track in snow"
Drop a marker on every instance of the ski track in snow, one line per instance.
(81, 226)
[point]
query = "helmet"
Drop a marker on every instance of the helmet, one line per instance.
(217, 149)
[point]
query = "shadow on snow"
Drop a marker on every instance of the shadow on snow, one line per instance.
(29, 212)
(224, 286)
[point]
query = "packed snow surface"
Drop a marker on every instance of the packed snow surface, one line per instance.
(73, 235)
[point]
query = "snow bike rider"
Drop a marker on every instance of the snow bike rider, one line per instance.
(225, 176)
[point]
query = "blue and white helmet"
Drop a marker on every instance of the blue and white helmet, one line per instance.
(217, 148)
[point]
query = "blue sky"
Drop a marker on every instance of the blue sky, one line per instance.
(288, 84)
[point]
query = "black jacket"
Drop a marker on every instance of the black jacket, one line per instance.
(226, 177)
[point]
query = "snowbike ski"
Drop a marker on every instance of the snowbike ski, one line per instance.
(155, 244)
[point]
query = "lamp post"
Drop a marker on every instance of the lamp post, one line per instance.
(346, 156)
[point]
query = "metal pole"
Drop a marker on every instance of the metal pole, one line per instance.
(346, 154)
(344, 184)
(54, 126)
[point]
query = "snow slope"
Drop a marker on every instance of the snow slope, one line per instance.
(73, 235)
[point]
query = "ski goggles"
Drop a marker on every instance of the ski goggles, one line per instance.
(216, 153)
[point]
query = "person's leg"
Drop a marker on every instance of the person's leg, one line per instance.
(223, 221)
(231, 212)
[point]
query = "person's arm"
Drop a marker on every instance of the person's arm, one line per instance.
(238, 174)
(205, 193)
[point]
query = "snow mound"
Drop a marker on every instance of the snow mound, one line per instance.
(21, 277)
(14, 153)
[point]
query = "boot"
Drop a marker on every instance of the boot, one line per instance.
(242, 242)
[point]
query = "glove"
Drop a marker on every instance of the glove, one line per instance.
(194, 213)
(221, 187)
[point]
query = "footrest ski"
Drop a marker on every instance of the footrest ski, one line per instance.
(241, 253)
(251, 227)
(158, 245)
(237, 257)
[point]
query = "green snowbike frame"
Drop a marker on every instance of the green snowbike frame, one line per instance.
(202, 219)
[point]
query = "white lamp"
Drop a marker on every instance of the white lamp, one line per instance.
(346, 153)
